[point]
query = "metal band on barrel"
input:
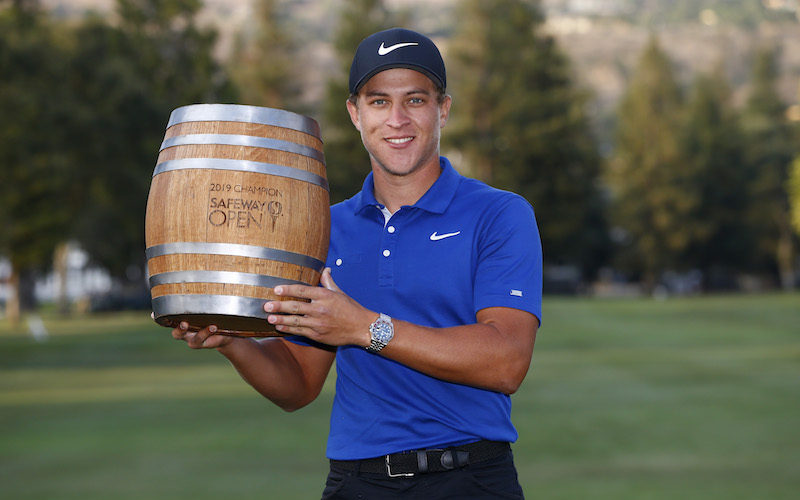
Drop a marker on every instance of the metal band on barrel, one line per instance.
(243, 166)
(243, 140)
(237, 250)
(169, 305)
(246, 114)
(226, 277)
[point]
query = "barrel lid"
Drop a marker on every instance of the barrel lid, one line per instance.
(244, 113)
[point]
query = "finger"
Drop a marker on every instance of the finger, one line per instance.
(294, 324)
(179, 333)
(189, 337)
(327, 280)
(288, 320)
(287, 307)
(295, 330)
(205, 333)
(299, 291)
(195, 340)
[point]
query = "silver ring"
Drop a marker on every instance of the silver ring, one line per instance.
(237, 250)
(243, 140)
(226, 277)
(171, 305)
(243, 166)
(247, 114)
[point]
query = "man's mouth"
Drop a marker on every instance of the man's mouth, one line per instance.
(400, 140)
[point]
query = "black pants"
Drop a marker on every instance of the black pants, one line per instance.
(494, 478)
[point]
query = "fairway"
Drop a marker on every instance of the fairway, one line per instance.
(691, 398)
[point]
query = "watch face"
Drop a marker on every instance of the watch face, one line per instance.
(382, 331)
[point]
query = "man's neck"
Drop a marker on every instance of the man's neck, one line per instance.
(395, 191)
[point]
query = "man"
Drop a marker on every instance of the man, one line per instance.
(430, 304)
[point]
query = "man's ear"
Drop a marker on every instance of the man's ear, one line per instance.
(444, 110)
(352, 108)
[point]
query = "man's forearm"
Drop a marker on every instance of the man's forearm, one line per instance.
(271, 367)
(481, 355)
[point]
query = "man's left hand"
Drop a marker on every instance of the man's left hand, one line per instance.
(331, 317)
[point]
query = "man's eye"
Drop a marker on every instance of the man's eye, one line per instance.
(379, 102)
(416, 100)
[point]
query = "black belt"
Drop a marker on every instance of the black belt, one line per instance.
(410, 463)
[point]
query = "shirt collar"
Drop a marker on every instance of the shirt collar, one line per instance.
(435, 200)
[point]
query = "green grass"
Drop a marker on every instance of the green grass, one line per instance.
(695, 398)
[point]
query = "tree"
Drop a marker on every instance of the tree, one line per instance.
(794, 194)
(35, 195)
(519, 122)
(264, 63)
(347, 162)
(770, 151)
(650, 200)
(127, 79)
(716, 178)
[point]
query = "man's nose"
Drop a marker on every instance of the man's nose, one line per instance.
(397, 116)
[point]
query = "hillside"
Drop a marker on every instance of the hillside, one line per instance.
(602, 37)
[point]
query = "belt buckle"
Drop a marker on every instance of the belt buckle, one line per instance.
(399, 474)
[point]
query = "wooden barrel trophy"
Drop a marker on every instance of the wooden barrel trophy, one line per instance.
(238, 204)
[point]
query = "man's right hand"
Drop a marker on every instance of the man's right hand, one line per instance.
(207, 338)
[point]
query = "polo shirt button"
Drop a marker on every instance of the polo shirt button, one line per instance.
(386, 253)
(390, 229)
(338, 262)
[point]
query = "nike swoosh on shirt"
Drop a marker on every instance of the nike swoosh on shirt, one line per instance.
(382, 51)
(437, 237)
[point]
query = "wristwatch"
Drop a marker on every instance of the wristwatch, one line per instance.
(382, 331)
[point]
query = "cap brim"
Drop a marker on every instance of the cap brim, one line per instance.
(435, 79)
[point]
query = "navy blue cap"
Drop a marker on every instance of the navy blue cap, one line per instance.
(396, 48)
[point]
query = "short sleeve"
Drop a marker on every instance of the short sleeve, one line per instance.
(509, 267)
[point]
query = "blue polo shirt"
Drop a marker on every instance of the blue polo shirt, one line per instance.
(464, 246)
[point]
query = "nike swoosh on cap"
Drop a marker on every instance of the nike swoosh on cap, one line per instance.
(382, 51)
(437, 237)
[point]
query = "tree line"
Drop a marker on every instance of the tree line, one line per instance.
(698, 183)
(693, 182)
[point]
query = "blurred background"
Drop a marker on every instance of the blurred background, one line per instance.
(658, 141)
